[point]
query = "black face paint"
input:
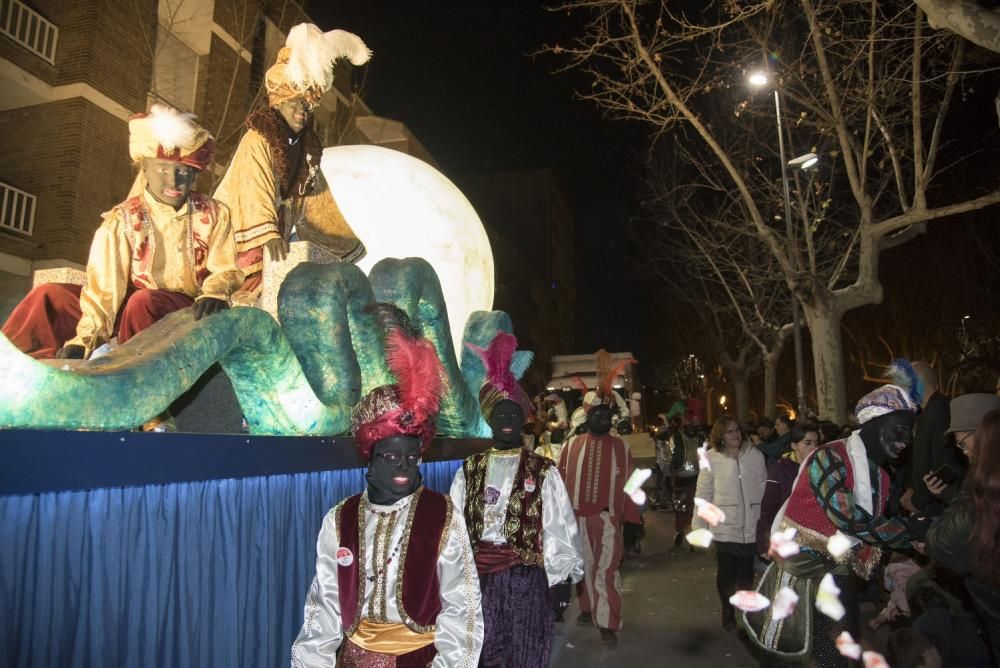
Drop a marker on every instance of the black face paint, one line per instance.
(886, 436)
(168, 181)
(392, 470)
(507, 422)
(599, 420)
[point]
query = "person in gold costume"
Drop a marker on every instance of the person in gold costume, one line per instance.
(164, 249)
(273, 185)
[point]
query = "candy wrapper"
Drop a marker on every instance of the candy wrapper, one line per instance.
(700, 538)
(847, 647)
(838, 545)
(828, 599)
(709, 512)
(703, 463)
(874, 660)
(783, 543)
(749, 601)
(784, 603)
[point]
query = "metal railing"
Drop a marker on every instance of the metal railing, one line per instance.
(17, 209)
(29, 29)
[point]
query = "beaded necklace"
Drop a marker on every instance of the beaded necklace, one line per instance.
(380, 571)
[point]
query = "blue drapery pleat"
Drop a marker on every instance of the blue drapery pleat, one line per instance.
(190, 574)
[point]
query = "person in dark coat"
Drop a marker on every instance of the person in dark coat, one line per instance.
(932, 446)
(780, 478)
(967, 538)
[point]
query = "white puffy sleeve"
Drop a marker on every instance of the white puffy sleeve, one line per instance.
(457, 492)
(560, 538)
(322, 633)
(459, 636)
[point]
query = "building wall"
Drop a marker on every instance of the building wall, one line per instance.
(68, 154)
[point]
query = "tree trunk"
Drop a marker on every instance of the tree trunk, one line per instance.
(824, 321)
(741, 388)
(770, 383)
(738, 371)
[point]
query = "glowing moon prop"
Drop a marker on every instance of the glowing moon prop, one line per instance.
(400, 207)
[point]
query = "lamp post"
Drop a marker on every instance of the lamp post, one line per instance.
(758, 80)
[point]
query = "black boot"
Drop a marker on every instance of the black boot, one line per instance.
(728, 618)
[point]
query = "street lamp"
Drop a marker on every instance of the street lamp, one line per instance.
(760, 79)
(805, 162)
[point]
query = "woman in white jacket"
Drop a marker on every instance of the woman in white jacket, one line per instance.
(734, 483)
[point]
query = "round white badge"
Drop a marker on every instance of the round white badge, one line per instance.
(529, 484)
(344, 557)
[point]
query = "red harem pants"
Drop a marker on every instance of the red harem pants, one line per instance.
(600, 593)
(47, 317)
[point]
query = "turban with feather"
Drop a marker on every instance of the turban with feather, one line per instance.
(410, 406)
(501, 382)
(304, 66)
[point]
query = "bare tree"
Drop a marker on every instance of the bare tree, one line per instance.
(706, 236)
(865, 79)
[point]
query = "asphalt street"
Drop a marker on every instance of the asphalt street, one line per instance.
(671, 612)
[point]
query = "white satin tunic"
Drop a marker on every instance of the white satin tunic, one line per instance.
(561, 549)
(458, 636)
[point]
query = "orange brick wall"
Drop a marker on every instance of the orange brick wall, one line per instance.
(73, 157)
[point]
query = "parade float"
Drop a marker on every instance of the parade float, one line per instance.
(120, 547)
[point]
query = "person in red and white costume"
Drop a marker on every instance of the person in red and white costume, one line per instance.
(595, 466)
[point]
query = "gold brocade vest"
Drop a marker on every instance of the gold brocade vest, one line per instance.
(522, 525)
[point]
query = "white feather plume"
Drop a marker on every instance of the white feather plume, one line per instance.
(172, 128)
(348, 45)
(314, 52)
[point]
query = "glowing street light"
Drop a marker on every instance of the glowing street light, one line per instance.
(759, 79)
(804, 162)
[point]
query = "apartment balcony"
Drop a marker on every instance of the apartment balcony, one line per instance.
(29, 29)
(17, 210)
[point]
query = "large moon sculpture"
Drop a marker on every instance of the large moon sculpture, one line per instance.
(400, 207)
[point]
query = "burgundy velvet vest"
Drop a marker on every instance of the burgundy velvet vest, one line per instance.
(522, 525)
(418, 600)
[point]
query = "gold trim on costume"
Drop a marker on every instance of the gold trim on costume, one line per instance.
(510, 452)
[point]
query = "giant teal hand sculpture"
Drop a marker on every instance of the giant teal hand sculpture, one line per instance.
(301, 377)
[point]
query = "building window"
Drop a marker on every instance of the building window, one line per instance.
(17, 209)
(29, 29)
(175, 71)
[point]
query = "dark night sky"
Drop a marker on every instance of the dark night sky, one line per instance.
(461, 76)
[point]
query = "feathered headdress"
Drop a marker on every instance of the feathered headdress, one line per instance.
(168, 134)
(904, 394)
(304, 66)
(608, 371)
(502, 369)
(409, 407)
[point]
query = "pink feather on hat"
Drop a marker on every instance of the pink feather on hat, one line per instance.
(500, 382)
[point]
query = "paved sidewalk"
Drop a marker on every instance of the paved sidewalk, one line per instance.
(671, 612)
